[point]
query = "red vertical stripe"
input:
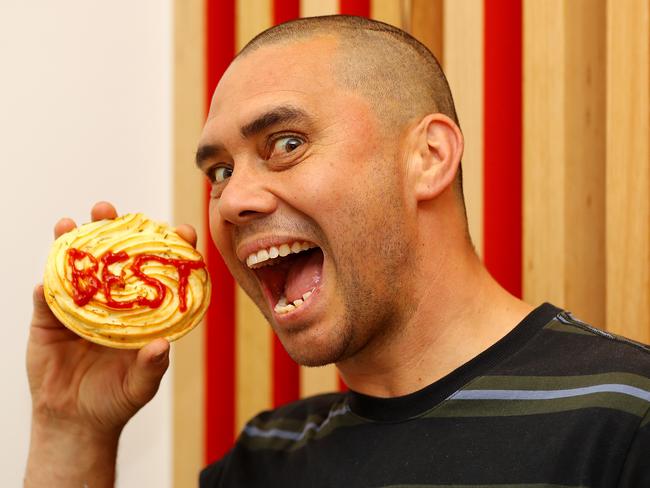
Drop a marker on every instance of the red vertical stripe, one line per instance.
(286, 373)
(355, 7)
(220, 330)
(503, 142)
(286, 376)
(284, 10)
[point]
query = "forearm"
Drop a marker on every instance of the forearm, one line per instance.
(63, 455)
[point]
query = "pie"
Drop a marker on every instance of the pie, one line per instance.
(125, 282)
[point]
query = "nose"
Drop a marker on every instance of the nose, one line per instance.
(245, 197)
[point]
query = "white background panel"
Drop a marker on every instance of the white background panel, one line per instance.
(85, 115)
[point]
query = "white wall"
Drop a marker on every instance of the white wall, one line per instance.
(85, 114)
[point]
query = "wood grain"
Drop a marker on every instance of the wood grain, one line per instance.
(389, 11)
(189, 206)
(584, 194)
(544, 149)
(426, 25)
(564, 163)
(254, 363)
(463, 55)
(628, 168)
(253, 16)
(313, 8)
(314, 381)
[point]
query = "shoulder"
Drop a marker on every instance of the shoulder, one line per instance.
(557, 344)
(295, 422)
(570, 365)
(301, 409)
(597, 348)
(279, 429)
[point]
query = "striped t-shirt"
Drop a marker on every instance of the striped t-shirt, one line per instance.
(555, 403)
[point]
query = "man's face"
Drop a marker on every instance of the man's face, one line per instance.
(295, 158)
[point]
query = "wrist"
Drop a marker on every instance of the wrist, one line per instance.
(63, 453)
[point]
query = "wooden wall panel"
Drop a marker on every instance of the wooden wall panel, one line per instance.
(586, 243)
(390, 11)
(254, 334)
(463, 65)
(187, 355)
(584, 196)
(254, 366)
(628, 168)
(426, 25)
(544, 151)
(563, 155)
(314, 381)
(253, 16)
(313, 8)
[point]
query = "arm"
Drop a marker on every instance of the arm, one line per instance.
(83, 394)
(66, 455)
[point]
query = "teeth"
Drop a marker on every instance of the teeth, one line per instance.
(263, 257)
(283, 307)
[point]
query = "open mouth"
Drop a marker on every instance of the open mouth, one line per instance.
(289, 273)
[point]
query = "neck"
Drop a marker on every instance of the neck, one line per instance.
(460, 312)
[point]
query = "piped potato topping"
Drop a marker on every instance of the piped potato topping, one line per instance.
(290, 272)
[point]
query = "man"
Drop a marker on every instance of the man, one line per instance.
(339, 134)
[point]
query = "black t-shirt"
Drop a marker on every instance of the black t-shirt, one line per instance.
(555, 403)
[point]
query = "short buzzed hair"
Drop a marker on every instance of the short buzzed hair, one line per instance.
(399, 76)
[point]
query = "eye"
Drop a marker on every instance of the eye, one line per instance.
(285, 145)
(220, 174)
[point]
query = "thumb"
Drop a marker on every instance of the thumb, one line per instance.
(144, 374)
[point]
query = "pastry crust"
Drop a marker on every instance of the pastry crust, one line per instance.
(139, 321)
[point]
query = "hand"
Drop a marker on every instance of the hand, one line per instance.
(84, 393)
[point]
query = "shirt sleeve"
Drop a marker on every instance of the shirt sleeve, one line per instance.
(636, 470)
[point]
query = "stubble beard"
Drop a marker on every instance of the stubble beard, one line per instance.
(372, 295)
(366, 317)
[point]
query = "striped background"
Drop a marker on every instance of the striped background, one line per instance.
(553, 100)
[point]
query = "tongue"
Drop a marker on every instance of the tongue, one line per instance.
(304, 275)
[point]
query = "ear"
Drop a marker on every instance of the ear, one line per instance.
(435, 157)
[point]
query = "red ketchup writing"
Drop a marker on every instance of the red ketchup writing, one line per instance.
(85, 283)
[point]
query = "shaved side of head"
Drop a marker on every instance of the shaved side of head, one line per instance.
(395, 72)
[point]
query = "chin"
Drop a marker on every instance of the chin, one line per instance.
(314, 348)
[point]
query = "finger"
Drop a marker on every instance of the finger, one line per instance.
(103, 210)
(145, 373)
(187, 232)
(62, 226)
(46, 328)
(42, 316)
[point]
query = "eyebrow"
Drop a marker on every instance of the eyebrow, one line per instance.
(277, 115)
(206, 151)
